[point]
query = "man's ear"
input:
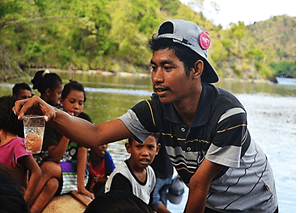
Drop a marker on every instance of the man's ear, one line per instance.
(128, 147)
(198, 68)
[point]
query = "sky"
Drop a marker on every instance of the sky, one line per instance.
(248, 11)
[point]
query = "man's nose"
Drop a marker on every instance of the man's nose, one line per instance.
(157, 76)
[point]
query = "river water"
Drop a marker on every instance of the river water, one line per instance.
(271, 121)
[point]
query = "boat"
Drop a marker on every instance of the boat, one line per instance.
(286, 81)
(72, 202)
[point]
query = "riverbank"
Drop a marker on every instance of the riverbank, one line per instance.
(127, 74)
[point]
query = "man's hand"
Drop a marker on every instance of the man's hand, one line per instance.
(34, 106)
(199, 185)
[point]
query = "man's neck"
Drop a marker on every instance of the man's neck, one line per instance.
(187, 108)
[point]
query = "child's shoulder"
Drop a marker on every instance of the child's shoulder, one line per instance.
(150, 173)
(16, 141)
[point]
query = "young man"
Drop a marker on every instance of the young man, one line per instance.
(203, 127)
(21, 91)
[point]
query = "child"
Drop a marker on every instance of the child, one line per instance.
(50, 87)
(73, 163)
(21, 91)
(100, 167)
(12, 150)
(135, 174)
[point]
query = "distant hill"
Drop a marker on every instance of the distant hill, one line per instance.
(278, 34)
(262, 50)
(113, 36)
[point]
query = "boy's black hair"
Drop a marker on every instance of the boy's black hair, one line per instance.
(8, 120)
(43, 81)
(73, 85)
(17, 87)
(154, 134)
(185, 54)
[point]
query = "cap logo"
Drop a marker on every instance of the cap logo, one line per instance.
(204, 40)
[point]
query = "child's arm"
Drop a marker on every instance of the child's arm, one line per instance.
(91, 181)
(81, 167)
(57, 152)
(29, 163)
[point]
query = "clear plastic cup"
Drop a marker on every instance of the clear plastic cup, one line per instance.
(33, 131)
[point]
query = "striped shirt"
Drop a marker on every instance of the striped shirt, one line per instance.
(218, 133)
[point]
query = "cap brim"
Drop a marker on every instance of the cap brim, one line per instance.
(209, 74)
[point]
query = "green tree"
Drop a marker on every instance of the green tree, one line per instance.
(285, 69)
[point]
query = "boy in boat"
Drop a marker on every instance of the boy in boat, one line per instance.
(21, 91)
(135, 174)
(100, 166)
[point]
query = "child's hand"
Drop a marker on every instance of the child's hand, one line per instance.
(86, 192)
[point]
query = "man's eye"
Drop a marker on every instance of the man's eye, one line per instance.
(168, 68)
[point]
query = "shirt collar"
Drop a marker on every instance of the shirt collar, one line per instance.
(202, 113)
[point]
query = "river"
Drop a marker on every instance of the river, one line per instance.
(271, 121)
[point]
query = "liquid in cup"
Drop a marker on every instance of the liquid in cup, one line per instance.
(33, 131)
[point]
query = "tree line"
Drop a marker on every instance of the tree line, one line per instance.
(113, 35)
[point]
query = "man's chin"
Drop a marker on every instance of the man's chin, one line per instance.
(164, 100)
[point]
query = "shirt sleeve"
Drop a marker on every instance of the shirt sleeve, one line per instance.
(120, 182)
(231, 138)
(20, 150)
(134, 125)
(140, 119)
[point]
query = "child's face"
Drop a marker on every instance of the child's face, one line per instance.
(23, 94)
(143, 154)
(54, 96)
(99, 151)
(73, 103)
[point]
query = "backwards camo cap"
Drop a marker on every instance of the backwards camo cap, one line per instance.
(192, 36)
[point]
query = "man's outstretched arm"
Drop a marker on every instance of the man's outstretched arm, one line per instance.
(76, 129)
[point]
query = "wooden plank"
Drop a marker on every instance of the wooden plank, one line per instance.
(68, 203)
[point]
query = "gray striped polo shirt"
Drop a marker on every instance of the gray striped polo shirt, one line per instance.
(218, 133)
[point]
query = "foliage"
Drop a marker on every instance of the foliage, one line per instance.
(285, 69)
(276, 37)
(113, 35)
